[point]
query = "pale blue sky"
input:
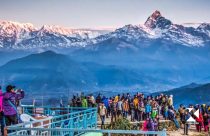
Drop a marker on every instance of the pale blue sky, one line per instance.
(102, 13)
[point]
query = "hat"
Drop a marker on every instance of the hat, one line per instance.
(9, 88)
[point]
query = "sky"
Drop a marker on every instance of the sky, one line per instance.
(102, 13)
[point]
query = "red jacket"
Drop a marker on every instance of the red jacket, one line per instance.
(200, 119)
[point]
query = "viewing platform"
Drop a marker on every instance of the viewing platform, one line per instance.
(63, 121)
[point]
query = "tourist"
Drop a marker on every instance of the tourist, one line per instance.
(1, 112)
(102, 113)
(144, 126)
(199, 121)
(79, 102)
(156, 124)
(105, 100)
(92, 100)
(141, 111)
(132, 111)
(98, 98)
(9, 104)
(148, 110)
(166, 112)
(113, 110)
(186, 125)
(206, 122)
(84, 102)
(119, 108)
(136, 104)
(150, 126)
(170, 101)
(74, 101)
(181, 112)
(125, 108)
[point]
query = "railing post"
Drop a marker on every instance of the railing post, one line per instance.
(5, 131)
(96, 117)
(164, 132)
(85, 120)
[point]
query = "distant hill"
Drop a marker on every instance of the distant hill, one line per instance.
(49, 71)
(190, 94)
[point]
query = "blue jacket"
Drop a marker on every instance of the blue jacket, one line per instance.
(148, 108)
(187, 116)
(106, 102)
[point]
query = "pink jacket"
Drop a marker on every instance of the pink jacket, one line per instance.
(144, 127)
(1, 101)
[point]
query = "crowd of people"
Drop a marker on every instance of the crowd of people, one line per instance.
(8, 106)
(147, 109)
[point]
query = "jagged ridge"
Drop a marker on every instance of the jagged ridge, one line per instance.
(24, 36)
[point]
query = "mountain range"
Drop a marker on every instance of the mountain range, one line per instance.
(25, 36)
(50, 71)
(155, 56)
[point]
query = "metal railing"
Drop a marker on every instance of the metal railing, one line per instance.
(81, 118)
(49, 111)
(66, 121)
(76, 132)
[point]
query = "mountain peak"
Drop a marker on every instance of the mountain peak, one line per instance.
(156, 20)
(156, 14)
(204, 26)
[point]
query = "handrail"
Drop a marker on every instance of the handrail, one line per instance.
(32, 106)
(46, 110)
(55, 117)
(161, 133)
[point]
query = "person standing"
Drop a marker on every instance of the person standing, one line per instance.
(9, 104)
(186, 125)
(102, 113)
(119, 108)
(125, 108)
(150, 126)
(113, 110)
(148, 110)
(206, 122)
(1, 112)
(105, 100)
(170, 101)
(84, 102)
(181, 112)
(136, 104)
(199, 120)
(132, 111)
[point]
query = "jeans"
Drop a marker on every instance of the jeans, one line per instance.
(186, 127)
(102, 120)
(113, 116)
(125, 114)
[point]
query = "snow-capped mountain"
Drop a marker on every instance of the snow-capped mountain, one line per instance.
(156, 27)
(25, 35)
